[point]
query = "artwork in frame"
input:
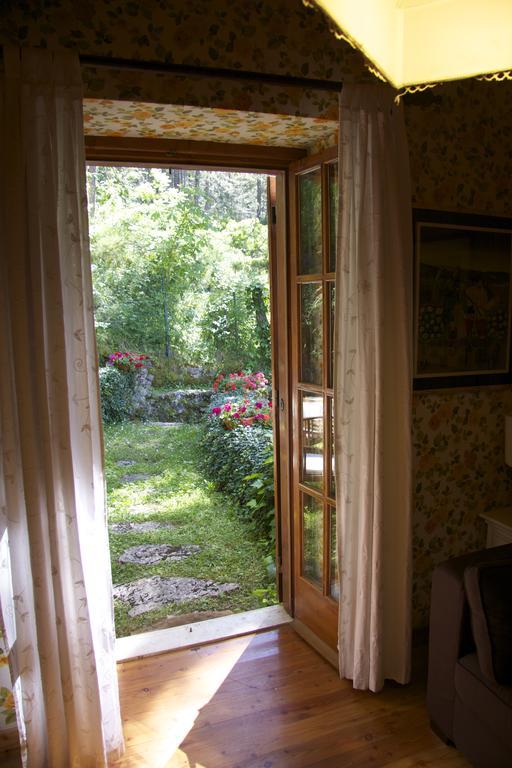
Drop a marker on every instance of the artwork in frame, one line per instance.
(462, 299)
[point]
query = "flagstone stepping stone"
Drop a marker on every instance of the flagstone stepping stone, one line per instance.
(125, 463)
(165, 424)
(152, 592)
(134, 478)
(147, 554)
(127, 527)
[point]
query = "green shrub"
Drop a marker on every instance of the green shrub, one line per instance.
(261, 496)
(239, 462)
(116, 392)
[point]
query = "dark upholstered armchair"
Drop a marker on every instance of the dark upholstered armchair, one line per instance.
(469, 696)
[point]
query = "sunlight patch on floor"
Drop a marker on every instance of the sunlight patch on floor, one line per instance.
(158, 739)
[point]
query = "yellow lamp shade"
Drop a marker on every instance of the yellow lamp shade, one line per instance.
(413, 42)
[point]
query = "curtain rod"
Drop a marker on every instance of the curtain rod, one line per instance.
(191, 70)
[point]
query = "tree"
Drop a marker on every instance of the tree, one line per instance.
(179, 272)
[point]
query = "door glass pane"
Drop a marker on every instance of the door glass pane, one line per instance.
(333, 214)
(311, 333)
(312, 440)
(331, 292)
(332, 477)
(334, 588)
(312, 539)
(310, 222)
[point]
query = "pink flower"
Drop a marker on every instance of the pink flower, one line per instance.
(236, 415)
(227, 407)
(258, 405)
(242, 409)
(259, 416)
(216, 410)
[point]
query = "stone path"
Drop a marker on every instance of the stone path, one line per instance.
(148, 554)
(153, 592)
(125, 463)
(127, 527)
(165, 423)
(134, 478)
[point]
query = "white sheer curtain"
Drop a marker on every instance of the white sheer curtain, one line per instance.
(373, 389)
(52, 488)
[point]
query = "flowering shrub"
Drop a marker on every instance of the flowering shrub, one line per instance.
(241, 400)
(254, 383)
(244, 412)
(129, 362)
(238, 457)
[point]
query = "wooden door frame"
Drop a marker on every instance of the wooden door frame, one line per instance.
(274, 161)
(321, 627)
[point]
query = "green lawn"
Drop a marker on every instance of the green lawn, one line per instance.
(176, 492)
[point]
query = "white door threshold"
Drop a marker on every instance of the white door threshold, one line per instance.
(199, 633)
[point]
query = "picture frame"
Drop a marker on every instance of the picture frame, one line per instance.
(462, 299)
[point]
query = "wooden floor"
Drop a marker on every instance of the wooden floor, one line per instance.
(269, 701)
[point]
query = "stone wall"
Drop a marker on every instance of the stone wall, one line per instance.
(185, 405)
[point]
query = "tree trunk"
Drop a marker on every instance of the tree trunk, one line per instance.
(260, 311)
(91, 188)
(261, 192)
(166, 320)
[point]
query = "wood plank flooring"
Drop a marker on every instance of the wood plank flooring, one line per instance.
(269, 701)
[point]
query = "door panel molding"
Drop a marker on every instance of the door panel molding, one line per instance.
(314, 607)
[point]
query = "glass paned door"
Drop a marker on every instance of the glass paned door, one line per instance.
(313, 220)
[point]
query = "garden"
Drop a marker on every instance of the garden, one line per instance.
(188, 450)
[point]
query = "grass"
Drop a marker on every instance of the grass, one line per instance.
(176, 492)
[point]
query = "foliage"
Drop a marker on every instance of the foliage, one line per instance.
(116, 390)
(177, 493)
(229, 457)
(235, 327)
(125, 387)
(180, 267)
(261, 494)
(145, 239)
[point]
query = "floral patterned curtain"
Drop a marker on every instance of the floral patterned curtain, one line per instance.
(51, 481)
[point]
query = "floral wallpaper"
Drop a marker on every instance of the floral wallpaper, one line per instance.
(459, 445)
(460, 135)
(459, 141)
(274, 36)
(103, 117)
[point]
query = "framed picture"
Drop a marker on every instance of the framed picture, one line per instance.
(462, 299)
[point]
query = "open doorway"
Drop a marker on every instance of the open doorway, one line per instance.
(182, 306)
